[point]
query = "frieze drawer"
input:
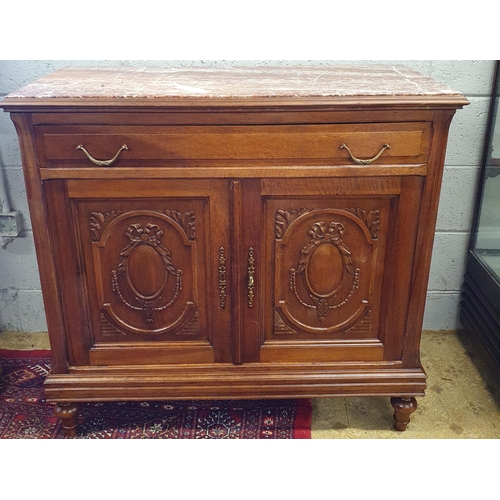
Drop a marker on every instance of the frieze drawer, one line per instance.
(338, 144)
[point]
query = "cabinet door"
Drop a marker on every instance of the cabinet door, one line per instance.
(333, 266)
(145, 258)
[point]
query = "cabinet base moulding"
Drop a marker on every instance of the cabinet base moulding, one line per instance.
(232, 382)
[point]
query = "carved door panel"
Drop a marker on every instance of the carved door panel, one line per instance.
(151, 261)
(328, 241)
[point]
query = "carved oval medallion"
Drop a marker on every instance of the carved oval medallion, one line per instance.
(146, 273)
(324, 270)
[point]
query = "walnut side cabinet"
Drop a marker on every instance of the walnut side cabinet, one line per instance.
(233, 232)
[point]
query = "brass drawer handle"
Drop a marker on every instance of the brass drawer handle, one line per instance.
(102, 163)
(251, 277)
(365, 162)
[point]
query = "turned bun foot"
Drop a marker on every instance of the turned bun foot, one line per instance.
(403, 408)
(68, 413)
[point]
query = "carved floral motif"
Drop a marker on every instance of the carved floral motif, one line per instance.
(370, 219)
(280, 327)
(285, 217)
(185, 220)
(99, 221)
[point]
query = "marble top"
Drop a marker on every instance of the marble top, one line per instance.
(233, 83)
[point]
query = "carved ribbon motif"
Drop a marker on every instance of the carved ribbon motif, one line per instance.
(325, 235)
(150, 235)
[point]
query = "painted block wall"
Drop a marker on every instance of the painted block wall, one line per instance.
(21, 307)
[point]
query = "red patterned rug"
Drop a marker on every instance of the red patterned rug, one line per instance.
(24, 413)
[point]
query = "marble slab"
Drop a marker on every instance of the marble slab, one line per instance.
(233, 83)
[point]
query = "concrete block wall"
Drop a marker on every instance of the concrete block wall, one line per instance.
(21, 307)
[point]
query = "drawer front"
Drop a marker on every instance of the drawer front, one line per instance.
(408, 143)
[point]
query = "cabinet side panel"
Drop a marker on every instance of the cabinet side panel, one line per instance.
(43, 245)
(425, 237)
